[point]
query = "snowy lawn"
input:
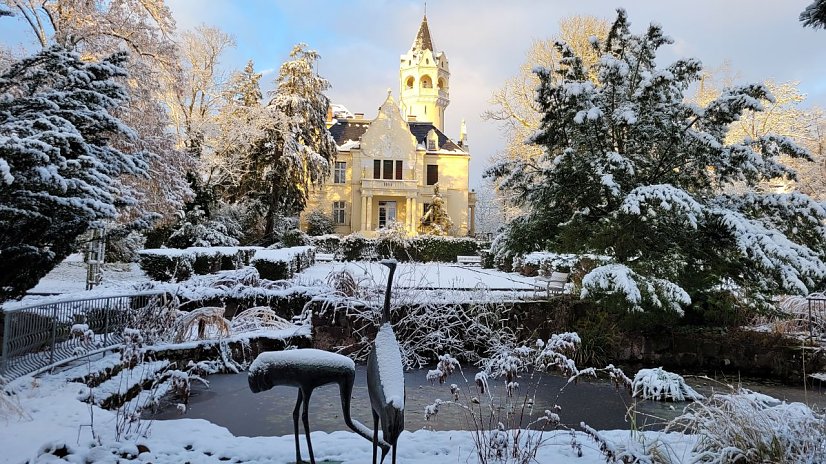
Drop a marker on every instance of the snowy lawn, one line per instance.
(55, 415)
(424, 276)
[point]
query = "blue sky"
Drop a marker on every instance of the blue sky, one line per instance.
(485, 40)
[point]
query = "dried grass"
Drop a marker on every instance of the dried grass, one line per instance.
(259, 317)
(209, 317)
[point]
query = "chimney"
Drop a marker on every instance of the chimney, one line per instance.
(411, 118)
(359, 116)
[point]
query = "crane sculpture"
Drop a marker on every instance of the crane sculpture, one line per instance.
(309, 369)
(385, 379)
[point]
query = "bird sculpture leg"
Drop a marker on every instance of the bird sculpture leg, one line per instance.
(375, 436)
(295, 426)
(394, 452)
(306, 419)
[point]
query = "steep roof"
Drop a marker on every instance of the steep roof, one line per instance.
(345, 130)
(423, 40)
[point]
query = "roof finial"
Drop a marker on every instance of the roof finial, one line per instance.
(425, 8)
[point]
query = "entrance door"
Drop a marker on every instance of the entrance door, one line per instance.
(387, 213)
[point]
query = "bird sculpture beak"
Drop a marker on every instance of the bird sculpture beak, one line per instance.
(391, 263)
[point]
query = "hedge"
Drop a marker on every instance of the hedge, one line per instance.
(166, 264)
(283, 263)
(422, 248)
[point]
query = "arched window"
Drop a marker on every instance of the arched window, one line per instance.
(441, 83)
(427, 83)
(410, 82)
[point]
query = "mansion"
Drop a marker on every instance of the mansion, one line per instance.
(386, 168)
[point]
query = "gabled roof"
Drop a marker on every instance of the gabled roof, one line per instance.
(420, 130)
(422, 40)
(345, 130)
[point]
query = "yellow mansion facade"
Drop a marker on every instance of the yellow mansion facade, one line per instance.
(386, 168)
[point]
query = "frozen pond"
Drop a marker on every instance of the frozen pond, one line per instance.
(230, 403)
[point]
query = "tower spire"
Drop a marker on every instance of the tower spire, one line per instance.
(422, 40)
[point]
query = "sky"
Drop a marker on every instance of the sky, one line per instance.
(360, 42)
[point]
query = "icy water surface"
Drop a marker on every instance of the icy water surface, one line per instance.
(229, 402)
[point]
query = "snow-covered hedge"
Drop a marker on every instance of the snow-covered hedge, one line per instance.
(283, 263)
(167, 264)
(422, 248)
(326, 243)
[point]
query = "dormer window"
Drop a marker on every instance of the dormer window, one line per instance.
(432, 141)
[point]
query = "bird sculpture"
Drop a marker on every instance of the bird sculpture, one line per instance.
(385, 379)
(309, 369)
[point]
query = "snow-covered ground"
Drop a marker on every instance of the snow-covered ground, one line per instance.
(426, 276)
(55, 415)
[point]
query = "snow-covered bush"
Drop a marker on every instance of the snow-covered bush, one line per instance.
(327, 243)
(632, 170)
(393, 243)
(201, 323)
(319, 223)
(195, 229)
(357, 247)
(660, 385)
(283, 263)
(124, 249)
(742, 427)
(166, 264)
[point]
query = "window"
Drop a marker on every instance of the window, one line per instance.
(410, 82)
(431, 145)
(426, 82)
(340, 172)
(338, 212)
(432, 174)
(388, 169)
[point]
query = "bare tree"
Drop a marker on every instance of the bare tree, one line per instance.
(194, 96)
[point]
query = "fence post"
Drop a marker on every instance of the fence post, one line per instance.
(4, 354)
(811, 321)
(54, 334)
(106, 310)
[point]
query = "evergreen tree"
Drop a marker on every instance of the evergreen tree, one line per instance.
(633, 171)
(814, 15)
(294, 148)
(58, 172)
(436, 221)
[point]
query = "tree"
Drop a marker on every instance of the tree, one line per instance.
(58, 172)
(633, 171)
(436, 221)
(814, 15)
(239, 122)
(144, 28)
(294, 149)
(194, 96)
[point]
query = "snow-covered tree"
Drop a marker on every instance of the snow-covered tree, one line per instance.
(435, 220)
(239, 123)
(319, 223)
(294, 149)
(814, 15)
(58, 171)
(633, 171)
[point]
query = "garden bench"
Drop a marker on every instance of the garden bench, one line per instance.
(324, 257)
(554, 283)
(469, 260)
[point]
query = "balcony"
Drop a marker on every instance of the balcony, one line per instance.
(388, 186)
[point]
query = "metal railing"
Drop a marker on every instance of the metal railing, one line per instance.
(817, 315)
(39, 336)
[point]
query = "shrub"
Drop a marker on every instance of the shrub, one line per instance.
(427, 248)
(283, 263)
(167, 264)
(319, 223)
(195, 229)
(326, 243)
(124, 249)
(294, 238)
(355, 247)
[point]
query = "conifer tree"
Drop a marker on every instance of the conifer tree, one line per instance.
(59, 173)
(294, 148)
(632, 171)
(814, 15)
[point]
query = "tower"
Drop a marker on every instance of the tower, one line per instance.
(424, 77)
